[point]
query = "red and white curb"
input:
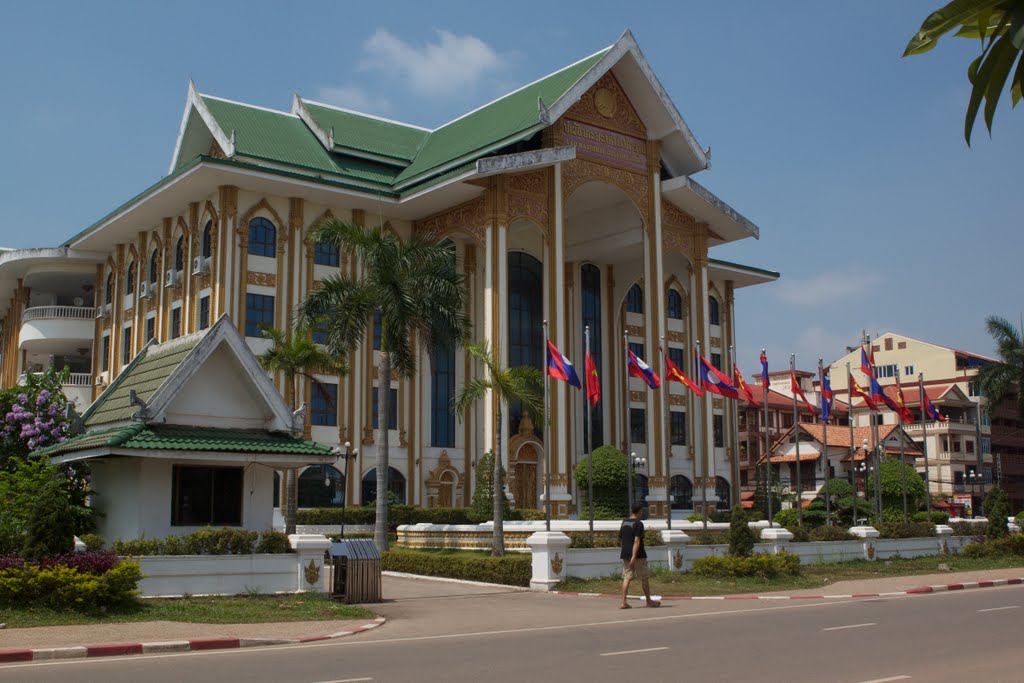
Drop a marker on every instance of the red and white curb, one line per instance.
(192, 645)
(910, 591)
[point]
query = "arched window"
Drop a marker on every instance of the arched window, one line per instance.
(442, 387)
(321, 486)
(590, 294)
(675, 305)
(714, 317)
(525, 314)
(129, 278)
(108, 293)
(208, 240)
(722, 491)
(152, 267)
(326, 254)
(681, 492)
(635, 300)
(262, 238)
(396, 486)
(179, 254)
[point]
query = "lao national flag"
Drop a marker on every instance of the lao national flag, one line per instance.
(640, 369)
(742, 386)
(797, 391)
(764, 369)
(826, 396)
(930, 411)
(856, 390)
(593, 383)
(559, 367)
(714, 380)
(866, 363)
(674, 374)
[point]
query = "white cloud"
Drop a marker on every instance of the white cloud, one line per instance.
(355, 98)
(452, 65)
(835, 288)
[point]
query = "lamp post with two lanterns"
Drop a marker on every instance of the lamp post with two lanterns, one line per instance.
(634, 464)
(348, 454)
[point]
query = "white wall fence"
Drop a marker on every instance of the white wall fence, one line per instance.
(294, 572)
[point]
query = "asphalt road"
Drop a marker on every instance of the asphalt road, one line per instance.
(957, 636)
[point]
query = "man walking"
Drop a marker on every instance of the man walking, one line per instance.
(634, 556)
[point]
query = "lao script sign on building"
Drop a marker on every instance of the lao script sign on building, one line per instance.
(605, 145)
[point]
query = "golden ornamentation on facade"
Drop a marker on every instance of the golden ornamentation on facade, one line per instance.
(261, 279)
(635, 330)
(715, 341)
(469, 260)
(557, 564)
(530, 208)
(637, 396)
(678, 400)
(604, 102)
(718, 403)
(607, 106)
(263, 205)
(675, 336)
(559, 480)
(469, 217)
(578, 172)
(534, 183)
(656, 481)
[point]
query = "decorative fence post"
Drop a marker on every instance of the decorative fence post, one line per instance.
(675, 549)
(309, 572)
(550, 558)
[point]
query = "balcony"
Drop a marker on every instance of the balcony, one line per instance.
(49, 329)
(951, 427)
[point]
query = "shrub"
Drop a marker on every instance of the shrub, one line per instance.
(937, 517)
(1020, 519)
(801, 534)
(273, 542)
(831, 533)
(741, 536)
(906, 530)
(526, 514)
(967, 529)
(51, 526)
(583, 539)
(709, 538)
(509, 570)
(207, 541)
(1012, 544)
(92, 542)
(90, 562)
(697, 517)
(838, 488)
(759, 565)
(786, 518)
(59, 586)
(610, 481)
(997, 508)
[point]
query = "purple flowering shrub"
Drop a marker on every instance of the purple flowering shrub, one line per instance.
(35, 419)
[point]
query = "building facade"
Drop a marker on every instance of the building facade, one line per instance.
(569, 200)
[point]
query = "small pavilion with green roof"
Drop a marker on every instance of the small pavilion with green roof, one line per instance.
(187, 436)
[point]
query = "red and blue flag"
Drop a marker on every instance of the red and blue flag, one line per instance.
(559, 367)
(764, 369)
(794, 386)
(866, 362)
(714, 380)
(930, 411)
(638, 368)
(826, 396)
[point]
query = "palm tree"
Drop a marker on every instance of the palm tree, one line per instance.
(296, 355)
(1002, 379)
(421, 298)
(521, 384)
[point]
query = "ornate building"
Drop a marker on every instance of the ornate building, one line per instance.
(569, 200)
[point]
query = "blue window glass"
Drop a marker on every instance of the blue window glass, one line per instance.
(324, 409)
(377, 330)
(396, 486)
(442, 388)
(635, 300)
(716, 360)
(326, 254)
(126, 346)
(179, 254)
(638, 350)
(175, 322)
(675, 355)
(675, 305)
(714, 316)
(204, 312)
(637, 425)
(678, 427)
(259, 310)
(718, 429)
(129, 278)
(525, 314)
(590, 277)
(208, 240)
(392, 410)
(320, 333)
(262, 238)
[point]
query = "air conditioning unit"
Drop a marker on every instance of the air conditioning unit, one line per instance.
(200, 266)
(103, 312)
(100, 381)
(171, 278)
(146, 290)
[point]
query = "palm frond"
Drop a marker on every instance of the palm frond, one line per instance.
(472, 391)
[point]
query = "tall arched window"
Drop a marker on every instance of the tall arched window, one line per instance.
(682, 493)
(635, 300)
(208, 240)
(525, 315)
(714, 316)
(396, 486)
(108, 292)
(262, 238)
(321, 486)
(590, 294)
(129, 278)
(179, 254)
(152, 267)
(442, 388)
(675, 305)
(722, 491)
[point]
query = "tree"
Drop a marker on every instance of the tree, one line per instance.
(520, 384)
(999, 25)
(1004, 378)
(296, 355)
(36, 415)
(51, 523)
(996, 507)
(421, 299)
(741, 537)
(611, 481)
(482, 506)
(892, 485)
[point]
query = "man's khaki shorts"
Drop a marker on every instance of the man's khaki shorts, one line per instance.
(639, 570)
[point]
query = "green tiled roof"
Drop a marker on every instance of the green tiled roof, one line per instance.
(145, 374)
(181, 438)
(369, 134)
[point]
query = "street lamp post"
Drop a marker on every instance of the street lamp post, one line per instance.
(972, 479)
(634, 464)
(345, 455)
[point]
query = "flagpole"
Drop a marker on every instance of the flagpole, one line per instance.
(668, 430)
(903, 463)
(796, 440)
(824, 431)
(547, 440)
(735, 470)
(704, 426)
(924, 446)
(587, 426)
(767, 445)
(853, 446)
(627, 421)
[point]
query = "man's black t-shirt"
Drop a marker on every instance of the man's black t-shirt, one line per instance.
(631, 530)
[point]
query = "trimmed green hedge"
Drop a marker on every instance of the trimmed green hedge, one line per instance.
(906, 530)
(510, 570)
(937, 517)
(583, 539)
(61, 587)
(406, 514)
(759, 565)
(207, 542)
(1006, 545)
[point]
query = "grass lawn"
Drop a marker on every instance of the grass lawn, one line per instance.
(238, 609)
(664, 582)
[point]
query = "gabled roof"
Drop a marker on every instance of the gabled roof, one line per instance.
(342, 130)
(839, 437)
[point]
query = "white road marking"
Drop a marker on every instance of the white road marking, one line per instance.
(840, 628)
(996, 609)
(348, 680)
(632, 652)
(886, 680)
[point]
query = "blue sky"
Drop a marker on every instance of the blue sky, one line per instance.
(850, 159)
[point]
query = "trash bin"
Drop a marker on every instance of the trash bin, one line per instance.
(357, 570)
